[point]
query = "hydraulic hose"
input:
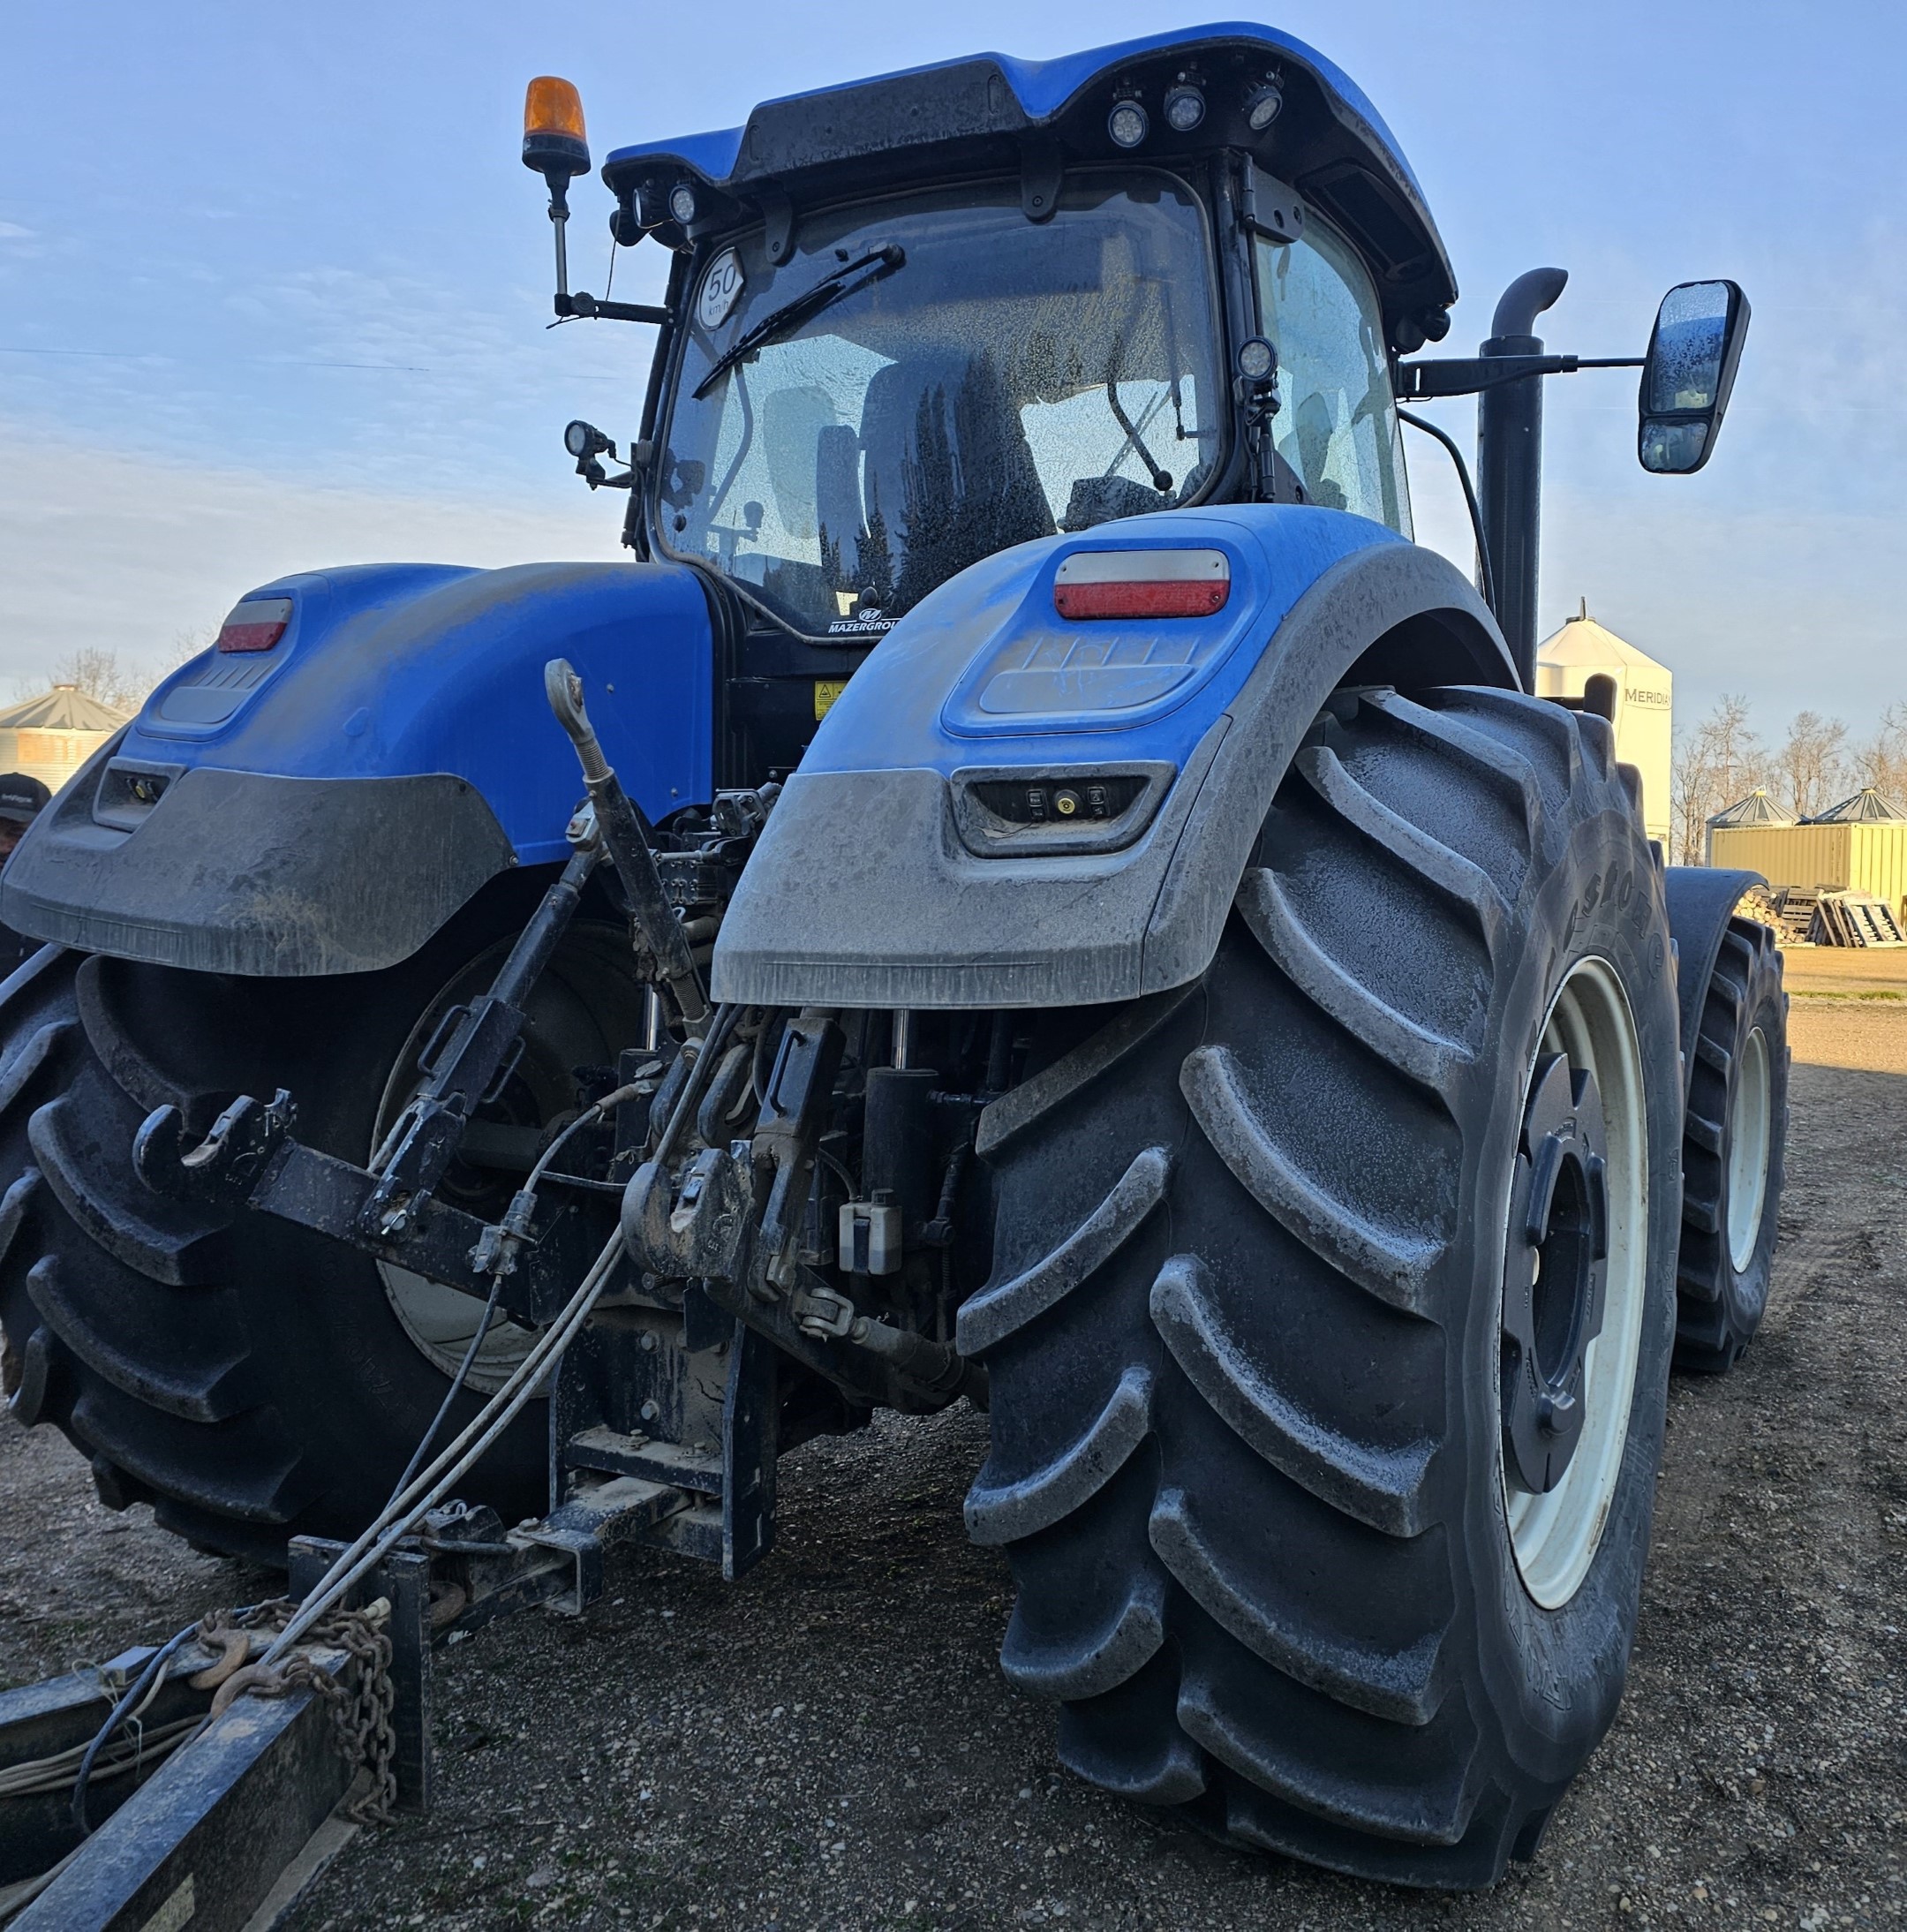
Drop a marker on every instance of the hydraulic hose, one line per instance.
(523, 1204)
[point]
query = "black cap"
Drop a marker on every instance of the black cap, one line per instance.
(22, 799)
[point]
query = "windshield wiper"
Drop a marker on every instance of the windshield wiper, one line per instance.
(845, 280)
(1162, 479)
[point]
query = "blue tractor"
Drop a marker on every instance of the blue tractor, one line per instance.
(1070, 908)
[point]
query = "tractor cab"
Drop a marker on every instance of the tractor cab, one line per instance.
(1041, 298)
(949, 379)
(917, 319)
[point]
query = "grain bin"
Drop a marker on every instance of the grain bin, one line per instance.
(1582, 649)
(1758, 811)
(1859, 845)
(50, 736)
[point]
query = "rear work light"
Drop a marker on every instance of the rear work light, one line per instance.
(1093, 583)
(255, 625)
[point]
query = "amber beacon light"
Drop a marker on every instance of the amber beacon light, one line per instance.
(556, 145)
(554, 141)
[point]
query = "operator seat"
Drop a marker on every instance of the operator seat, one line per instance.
(945, 458)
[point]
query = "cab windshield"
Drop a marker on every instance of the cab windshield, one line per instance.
(972, 379)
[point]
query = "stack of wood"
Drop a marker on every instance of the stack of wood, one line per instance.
(1758, 904)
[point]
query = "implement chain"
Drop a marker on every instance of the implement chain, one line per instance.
(360, 1717)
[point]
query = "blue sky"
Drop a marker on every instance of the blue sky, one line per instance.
(273, 285)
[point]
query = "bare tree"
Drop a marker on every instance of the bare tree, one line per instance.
(97, 670)
(1882, 761)
(1691, 791)
(1813, 763)
(122, 683)
(1740, 759)
(1720, 761)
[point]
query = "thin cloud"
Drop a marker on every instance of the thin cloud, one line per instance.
(190, 540)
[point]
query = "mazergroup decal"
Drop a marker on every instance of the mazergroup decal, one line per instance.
(863, 623)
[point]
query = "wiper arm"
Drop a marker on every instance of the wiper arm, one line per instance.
(845, 280)
(1162, 480)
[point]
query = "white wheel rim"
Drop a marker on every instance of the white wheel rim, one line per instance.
(440, 1320)
(1750, 1145)
(1554, 1536)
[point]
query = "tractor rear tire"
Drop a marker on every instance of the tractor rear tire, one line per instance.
(1246, 1324)
(1735, 1131)
(250, 1379)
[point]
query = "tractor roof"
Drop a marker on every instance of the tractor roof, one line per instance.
(985, 112)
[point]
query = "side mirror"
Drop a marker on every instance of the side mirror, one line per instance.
(1686, 377)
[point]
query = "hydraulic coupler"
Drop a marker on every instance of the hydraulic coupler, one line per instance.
(731, 1219)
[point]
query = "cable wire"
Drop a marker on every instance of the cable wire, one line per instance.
(1487, 577)
(147, 1681)
(594, 1112)
(400, 1516)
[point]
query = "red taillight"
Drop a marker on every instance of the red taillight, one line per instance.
(1092, 584)
(256, 625)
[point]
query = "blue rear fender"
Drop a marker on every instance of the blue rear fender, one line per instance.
(396, 670)
(325, 806)
(901, 868)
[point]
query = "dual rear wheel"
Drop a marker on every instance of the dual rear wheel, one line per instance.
(1734, 1134)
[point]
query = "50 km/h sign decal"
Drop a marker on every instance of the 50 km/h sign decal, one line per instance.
(721, 289)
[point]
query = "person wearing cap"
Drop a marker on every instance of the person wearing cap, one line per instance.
(22, 799)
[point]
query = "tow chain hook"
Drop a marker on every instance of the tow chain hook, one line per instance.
(226, 1164)
(1555, 1273)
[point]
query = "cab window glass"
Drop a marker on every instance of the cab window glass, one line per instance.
(1337, 423)
(1000, 381)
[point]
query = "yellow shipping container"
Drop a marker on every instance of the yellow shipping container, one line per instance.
(1854, 858)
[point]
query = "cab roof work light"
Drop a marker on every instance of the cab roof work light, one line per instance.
(1129, 124)
(1185, 107)
(1094, 583)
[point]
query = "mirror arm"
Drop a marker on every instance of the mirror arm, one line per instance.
(1469, 375)
(583, 304)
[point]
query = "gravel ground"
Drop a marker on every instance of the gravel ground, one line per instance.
(830, 1744)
